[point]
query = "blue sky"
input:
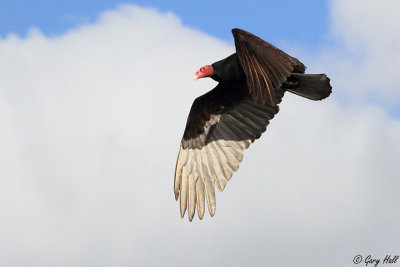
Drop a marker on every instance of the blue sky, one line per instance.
(303, 22)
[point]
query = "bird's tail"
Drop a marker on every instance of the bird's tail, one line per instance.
(311, 86)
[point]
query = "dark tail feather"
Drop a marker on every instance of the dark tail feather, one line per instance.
(311, 86)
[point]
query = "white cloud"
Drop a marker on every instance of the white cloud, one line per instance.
(91, 124)
(369, 31)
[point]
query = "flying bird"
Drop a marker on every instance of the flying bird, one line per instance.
(227, 119)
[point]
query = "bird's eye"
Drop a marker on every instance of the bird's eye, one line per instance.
(203, 69)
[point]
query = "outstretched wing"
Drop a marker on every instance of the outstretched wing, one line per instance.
(219, 127)
(266, 67)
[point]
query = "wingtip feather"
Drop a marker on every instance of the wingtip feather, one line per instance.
(212, 211)
(192, 196)
(183, 194)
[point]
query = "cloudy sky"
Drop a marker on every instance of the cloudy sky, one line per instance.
(93, 103)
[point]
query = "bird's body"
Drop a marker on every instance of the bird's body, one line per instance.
(226, 120)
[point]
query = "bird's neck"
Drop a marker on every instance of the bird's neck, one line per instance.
(228, 70)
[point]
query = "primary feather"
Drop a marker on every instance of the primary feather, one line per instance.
(226, 120)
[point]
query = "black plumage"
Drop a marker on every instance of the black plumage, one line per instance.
(224, 121)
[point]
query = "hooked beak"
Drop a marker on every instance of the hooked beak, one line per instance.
(196, 75)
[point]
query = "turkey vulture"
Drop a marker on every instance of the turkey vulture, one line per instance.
(226, 120)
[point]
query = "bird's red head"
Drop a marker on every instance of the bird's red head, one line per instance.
(205, 71)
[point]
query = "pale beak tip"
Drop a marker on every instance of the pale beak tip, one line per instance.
(194, 77)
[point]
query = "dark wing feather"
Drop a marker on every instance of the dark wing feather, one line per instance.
(221, 124)
(266, 67)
